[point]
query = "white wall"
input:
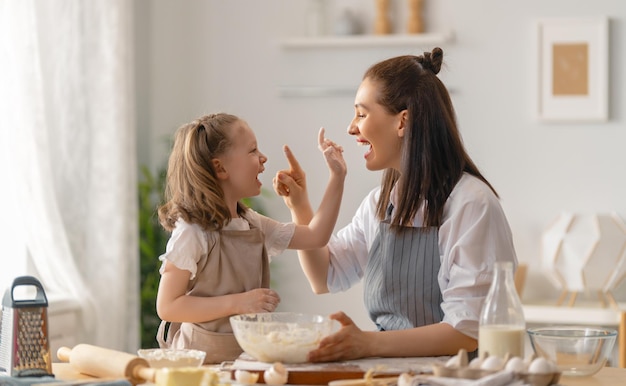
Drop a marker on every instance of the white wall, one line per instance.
(196, 57)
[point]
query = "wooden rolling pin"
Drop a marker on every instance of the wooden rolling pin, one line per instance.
(106, 363)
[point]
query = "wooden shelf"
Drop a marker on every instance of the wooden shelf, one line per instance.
(316, 92)
(366, 41)
(584, 315)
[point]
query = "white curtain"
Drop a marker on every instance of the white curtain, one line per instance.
(67, 137)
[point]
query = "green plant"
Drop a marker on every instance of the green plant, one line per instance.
(152, 242)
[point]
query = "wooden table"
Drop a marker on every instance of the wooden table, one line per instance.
(608, 376)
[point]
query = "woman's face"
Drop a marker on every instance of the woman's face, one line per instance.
(377, 129)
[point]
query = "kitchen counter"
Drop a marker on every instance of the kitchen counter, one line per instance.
(608, 376)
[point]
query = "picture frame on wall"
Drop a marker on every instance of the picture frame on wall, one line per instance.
(573, 69)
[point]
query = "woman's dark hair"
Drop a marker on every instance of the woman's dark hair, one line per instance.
(192, 190)
(433, 157)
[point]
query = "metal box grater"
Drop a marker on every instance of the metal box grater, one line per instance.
(24, 345)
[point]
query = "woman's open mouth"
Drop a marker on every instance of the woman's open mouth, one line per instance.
(365, 143)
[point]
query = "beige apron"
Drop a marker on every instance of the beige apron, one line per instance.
(236, 262)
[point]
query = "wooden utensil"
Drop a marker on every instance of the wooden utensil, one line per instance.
(101, 362)
(384, 381)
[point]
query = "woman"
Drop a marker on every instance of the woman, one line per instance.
(425, 241)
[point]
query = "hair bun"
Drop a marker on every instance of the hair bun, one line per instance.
(432, 60)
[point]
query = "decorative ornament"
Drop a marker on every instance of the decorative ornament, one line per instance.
(585, 253)
(383, 24)
(415, 23)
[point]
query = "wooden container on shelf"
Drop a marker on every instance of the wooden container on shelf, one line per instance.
(415, 23)
(382, 26)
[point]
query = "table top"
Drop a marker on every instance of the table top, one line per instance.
(608, 376)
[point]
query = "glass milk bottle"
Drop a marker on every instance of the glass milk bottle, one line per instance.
(502, 328)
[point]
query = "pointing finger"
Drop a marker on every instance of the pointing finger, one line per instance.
(325, 143)
(293, 162)
(321, 139)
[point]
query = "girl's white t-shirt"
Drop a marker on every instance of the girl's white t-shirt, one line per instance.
(188, 242)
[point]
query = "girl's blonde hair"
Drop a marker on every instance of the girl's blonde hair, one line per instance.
(192, 190)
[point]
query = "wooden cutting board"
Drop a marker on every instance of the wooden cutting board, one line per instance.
(323, 373)
(310, 376)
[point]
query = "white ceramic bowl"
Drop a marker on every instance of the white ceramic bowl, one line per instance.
(160, 358)
(285, 337)
(577, 351)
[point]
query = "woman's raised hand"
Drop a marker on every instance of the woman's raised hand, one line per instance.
(333, 154)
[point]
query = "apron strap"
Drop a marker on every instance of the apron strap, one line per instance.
(166, 332)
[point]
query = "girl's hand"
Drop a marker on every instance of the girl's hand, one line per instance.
(291, 183)
(257, 300)
(333, 154)
(350, 342)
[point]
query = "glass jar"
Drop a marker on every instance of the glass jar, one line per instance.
(502, 327)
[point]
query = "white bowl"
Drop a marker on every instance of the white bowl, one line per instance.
(285, 337)
(160, 358)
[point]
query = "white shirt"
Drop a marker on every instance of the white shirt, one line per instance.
(474, 234)
(188, 242)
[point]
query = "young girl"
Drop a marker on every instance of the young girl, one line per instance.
(216, 261)
(425, 241)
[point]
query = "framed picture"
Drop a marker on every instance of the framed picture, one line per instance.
(573, 69)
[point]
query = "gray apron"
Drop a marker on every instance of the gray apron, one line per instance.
(400, 287)
(236, 262)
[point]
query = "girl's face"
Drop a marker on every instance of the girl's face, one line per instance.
(241, 165)
(377, 129)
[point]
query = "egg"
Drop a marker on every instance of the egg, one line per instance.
(475, 363)
(515, 364)
(455, 361)
(276, 375)
(531, 357)
(405, 379)
(540, 366)
(492, 363)
(224, 376)
(246, 377)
